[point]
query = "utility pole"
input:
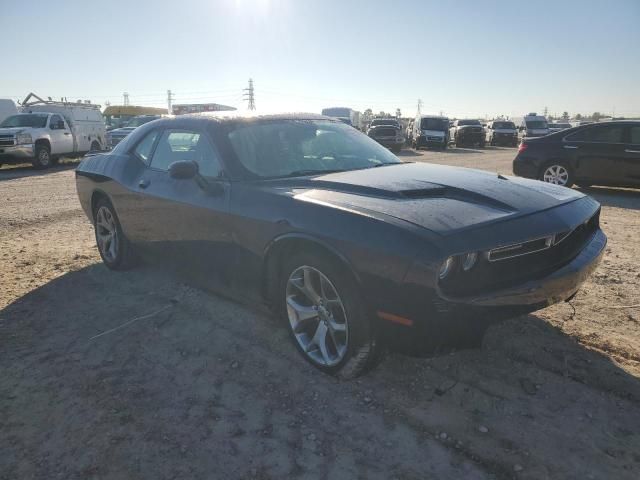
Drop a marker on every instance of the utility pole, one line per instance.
(125, 97)
(249, 96)
(546, 111)
(169, 100)
(419, 105)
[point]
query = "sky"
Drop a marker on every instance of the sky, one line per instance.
(462, 58)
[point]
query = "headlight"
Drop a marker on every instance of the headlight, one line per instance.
(24, 139)
(447, 267)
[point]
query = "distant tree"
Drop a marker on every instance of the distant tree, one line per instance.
(382, 114)
(565, 116)
(368, 112)
(596, 116)
(398, 113)
(578, 116)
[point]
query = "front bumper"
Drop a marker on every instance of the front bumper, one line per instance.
(430, 141)
(505, 138)
(555, 287)
(16, 152)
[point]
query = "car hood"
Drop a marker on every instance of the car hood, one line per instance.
(12, 130)
(504, 130)
(439, 198)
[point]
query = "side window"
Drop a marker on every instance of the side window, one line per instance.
(607, 134)
(55, 120)
(177, 145)
(601, 134)
(635, 135)
(143, 149)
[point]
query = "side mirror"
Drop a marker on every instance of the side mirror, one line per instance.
(183, 170)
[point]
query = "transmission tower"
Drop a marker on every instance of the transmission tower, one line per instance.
(249, 95)
(125, 97)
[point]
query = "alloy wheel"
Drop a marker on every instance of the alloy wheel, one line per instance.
(107, 234)
(556, 174)
(317, 316)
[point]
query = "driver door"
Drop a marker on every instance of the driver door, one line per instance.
(185, 222)
(61, 137)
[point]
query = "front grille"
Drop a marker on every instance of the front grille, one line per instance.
(6, 143)
(385, 132)
(536, 259)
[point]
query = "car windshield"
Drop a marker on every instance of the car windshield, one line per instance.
(434, 124)
(506, 125)
(34, 120)
(462, 123)
(536, 124)
(288, 148)
(138, 121)
(375, 123)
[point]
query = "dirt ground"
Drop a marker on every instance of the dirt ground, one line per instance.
(199, 387)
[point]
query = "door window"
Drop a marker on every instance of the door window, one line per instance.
(56, 123)
(144, 148)
(180, 145)
(599, 134)
(635, 135)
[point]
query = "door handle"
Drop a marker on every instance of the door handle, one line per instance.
(631, 151)
(67, 133)
(570, 147)
(144, 183)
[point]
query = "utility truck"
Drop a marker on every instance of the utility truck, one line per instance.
(45, 130)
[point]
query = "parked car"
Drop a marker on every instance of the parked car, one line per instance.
(47, 130)
(7, 108)
(430, 131)
(502, 132)
(595, 154)
(115, 136)
(558, 126)
(532, 125)
(467, 133)
(387, 132)
(350, 247)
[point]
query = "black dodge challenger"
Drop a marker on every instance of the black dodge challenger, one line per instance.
(350, 246)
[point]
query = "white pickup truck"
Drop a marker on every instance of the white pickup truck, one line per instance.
(45, 130)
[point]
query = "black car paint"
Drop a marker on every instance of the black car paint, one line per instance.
(392, 227)
(599, 163)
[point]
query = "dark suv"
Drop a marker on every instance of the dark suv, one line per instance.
(598, 154)
(387, 132)
(467, 133)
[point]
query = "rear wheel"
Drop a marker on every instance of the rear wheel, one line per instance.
(42, 158)
(326, 315)
(95, 146)
(396, 149)
(557, 173)
(114, 248)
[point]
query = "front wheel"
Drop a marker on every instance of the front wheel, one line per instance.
(557, 173)
(42, 158)
(115, 249)
(326, 315)
(396, 149)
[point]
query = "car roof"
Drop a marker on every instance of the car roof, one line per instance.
(439, 117)
(235, 116)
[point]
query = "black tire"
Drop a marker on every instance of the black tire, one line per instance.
(482, 144)
(459, 143)
(95, 146)
(492, 142)
(445, 145)
(363, 349)
(396, 149)
(42, 157)
(559, 163)
(123, 258)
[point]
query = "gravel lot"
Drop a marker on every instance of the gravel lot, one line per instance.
(200, 387)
